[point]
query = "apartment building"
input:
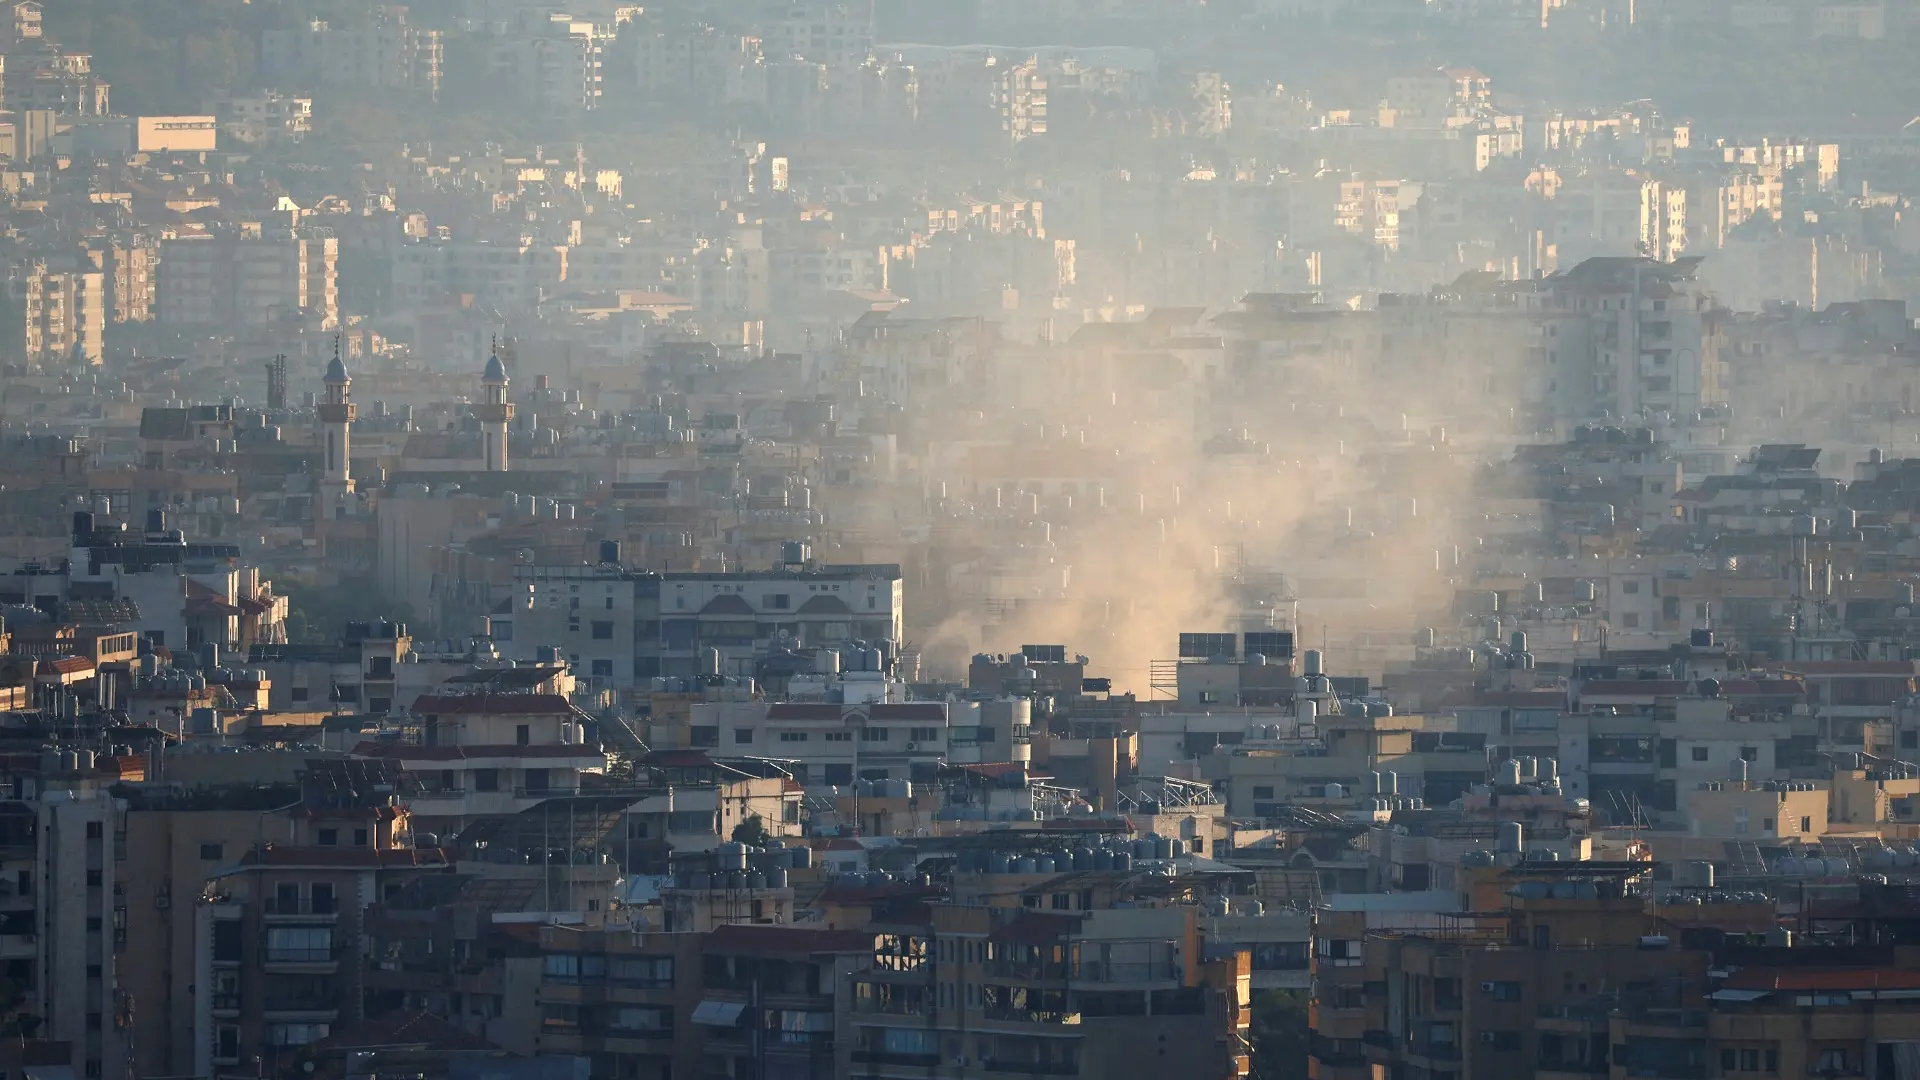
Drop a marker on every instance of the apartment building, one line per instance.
(1656, 335)
(632, 1004)
(253, 275)
(622, 629)
(268, 116)
(387, 52)
(487, 753)
(1035, 980)
(277, 933)
(54, 317)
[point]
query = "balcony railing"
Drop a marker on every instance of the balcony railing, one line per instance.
(1380, 1040)
(1150, 971)
(1437, 1051)
(872, 1056)
(306, 905)
(303, 956)
(300, 1005)
(226, 1003)
(1031, 1068)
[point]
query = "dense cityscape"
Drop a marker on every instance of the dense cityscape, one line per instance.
(922, 539)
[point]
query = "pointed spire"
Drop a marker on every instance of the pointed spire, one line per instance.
(496, 371)
(336, 371)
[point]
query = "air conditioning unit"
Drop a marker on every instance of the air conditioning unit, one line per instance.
(912, 746)
(1487, 1036)
(1487, 987)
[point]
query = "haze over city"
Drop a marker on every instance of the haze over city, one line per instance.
(925, 539)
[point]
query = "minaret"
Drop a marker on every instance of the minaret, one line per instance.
(336, 420)
(493, 414)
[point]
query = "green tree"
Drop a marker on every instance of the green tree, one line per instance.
(1280, 1035)
(752, 831)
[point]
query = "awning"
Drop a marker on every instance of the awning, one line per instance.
(718, 1013)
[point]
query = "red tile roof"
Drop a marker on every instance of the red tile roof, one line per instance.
(345, 858)
(786, 940)
(1882, 978)
(409, 752)
(493, 704)
(1036, 928)
(1851, 667)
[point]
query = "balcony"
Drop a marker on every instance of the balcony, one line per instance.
(281, 909)
(299, 961)
(1380, 1040)
(1149, 972)
(1434, 1051)
(226, 1005)
(1031, 1068)
(893, 1057)
(300, 1009)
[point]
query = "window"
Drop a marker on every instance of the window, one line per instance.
(329, 837)
(212, 852)
(486, 779)
(1263, 792)
(299, 944)
(795, 736)
(534, 779)
(95, 830)
(602, 631)
(1503, 1040)
(1766, 824)
(704, 736)
(644, 971)
(1631, 588)
(1750, 1061)
(1699, 753)
(780, 601)
(1832, 1061)
(742, 735)
(923, 734)
(575, 968)
(94, 879)
(1773, 1061)
(603, 669)
(832, 736)
(874, 734)
(1749, 753)
(1631, 620)
(649, 1020)
(1501, 991)
(1729, 1059)
(295, 1034)
(523, 735)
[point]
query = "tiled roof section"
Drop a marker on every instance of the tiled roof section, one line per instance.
(727, 604)
(786, 940)
(678, 759)
(165, 424)
(346, 858)
(1851, 667)
(411, 1030)
(1881, 978)
(787, 710)
(824, 605)
(1036, 928)
(409, 752)
(492, 704)
(930, 711)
